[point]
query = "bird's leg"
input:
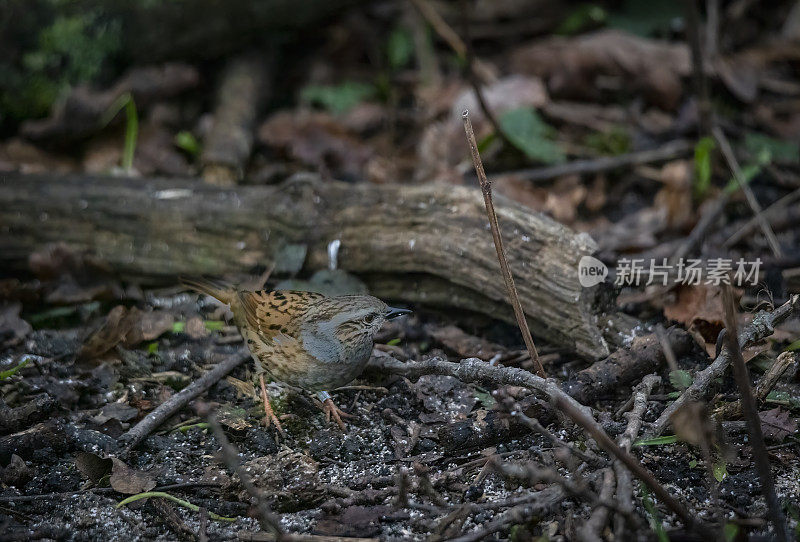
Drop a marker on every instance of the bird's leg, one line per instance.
(269, 414)
(331, 410)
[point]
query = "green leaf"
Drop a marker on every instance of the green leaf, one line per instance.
(125, 101)
(680, 379)
(783, 151)
(530, 134)
(730, 531)
(750, 171)
(211, 325)
(152, 348)
(720, 470)
(653, 517)
(613, 142)
(580, 18)
(340, 98)
(783, 398)
(656, 441)
(702, 166)
(399, 48)
(161, 494)
(214, 325)
(394, 342)
(186, 141)
(793, 347)
(692, 463)
(187, 428)
(8, 373)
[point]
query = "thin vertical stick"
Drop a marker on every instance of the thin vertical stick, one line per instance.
(751, 416)
(733, 163)
(486, 188)
(698, 67)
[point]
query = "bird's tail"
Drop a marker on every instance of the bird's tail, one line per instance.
(215, 288)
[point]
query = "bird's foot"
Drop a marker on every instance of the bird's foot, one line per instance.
(332, 411)
(269, 415)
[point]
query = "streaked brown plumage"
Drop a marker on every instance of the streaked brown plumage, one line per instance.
(304, 339)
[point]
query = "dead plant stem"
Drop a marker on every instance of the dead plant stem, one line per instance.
(486, 189)
(750, 413)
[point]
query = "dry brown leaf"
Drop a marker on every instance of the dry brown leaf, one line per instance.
(675, 197)
(12, 328)
(777, 424)
(564, 197)
(693, 424)
(317, 139)
(92, 466)
(129, 481)
(147, 325)
(699, 307)
(19, 155)
(128, 327)
(79, 115)
(634, 233)
(109, 335)
(574, 67)
(195, 328)
(503, 95)
(155, 153)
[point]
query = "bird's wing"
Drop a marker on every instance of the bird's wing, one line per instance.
(276, 313)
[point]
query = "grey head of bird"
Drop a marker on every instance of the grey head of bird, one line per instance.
(342, 328)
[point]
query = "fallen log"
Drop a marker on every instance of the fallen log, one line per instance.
(426, 244)
(229, 141)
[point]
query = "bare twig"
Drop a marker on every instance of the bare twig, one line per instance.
(533, 474)
(172, 405)
(750, 412)
(643, 356)
(669, 353)
(592, 529)
(503, 398)
(730, 157)
(770, 213)
(450, 36)
(640, 396)
(709, 217)
(477, 370)
(475, 82)
(668, 151)
(605, 442)
(698, 66)
(544, 502)
(761, 327)
(764, 386)
(230, 456)
(624, 490)
(486, 189)
(712, 28)
(202, 529)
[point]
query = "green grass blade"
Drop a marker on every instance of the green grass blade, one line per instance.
(176, 500)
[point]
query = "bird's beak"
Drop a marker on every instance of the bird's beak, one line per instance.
(393, 312)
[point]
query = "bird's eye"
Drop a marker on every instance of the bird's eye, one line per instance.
(369, 318)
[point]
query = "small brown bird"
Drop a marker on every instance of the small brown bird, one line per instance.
(304, 339)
